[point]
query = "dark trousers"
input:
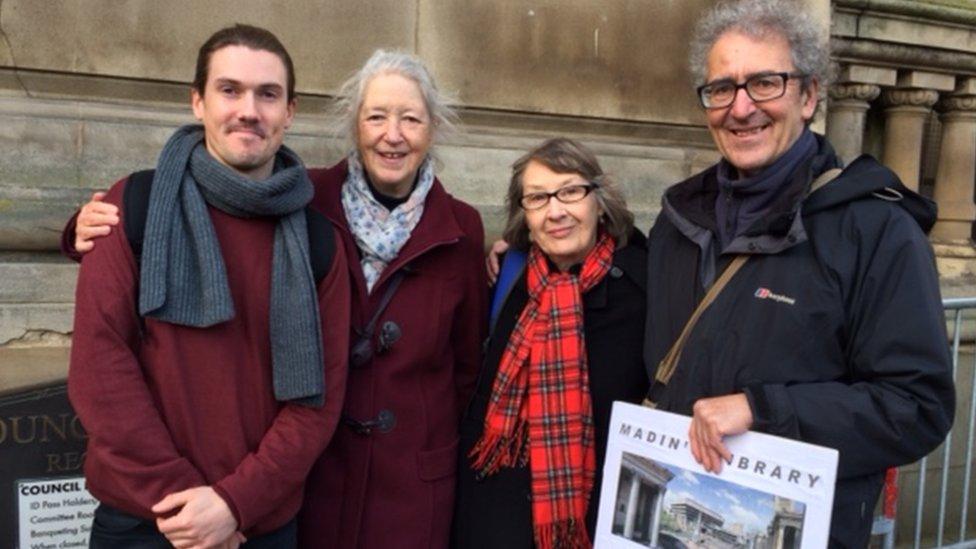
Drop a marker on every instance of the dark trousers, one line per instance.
(114, 529)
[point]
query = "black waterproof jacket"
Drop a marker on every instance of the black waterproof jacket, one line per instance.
(833, 329)
(497, 511)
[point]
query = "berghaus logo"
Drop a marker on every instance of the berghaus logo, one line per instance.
(765, 293)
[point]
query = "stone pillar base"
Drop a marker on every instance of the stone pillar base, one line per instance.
(956, 261)
(951, 231)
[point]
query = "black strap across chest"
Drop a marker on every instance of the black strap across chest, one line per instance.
(135, 210)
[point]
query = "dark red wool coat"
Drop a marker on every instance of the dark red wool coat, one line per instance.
(396, 489)
(171, 407)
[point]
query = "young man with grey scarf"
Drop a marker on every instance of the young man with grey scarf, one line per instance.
(210, 375)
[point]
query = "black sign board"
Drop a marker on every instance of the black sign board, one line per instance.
(41, 439)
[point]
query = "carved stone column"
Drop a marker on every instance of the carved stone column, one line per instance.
(655, 521)
(631, 517)
(848, 106)
(905, 113)
(957, 169)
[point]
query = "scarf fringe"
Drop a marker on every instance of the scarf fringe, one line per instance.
(495, 450)
(566, 534)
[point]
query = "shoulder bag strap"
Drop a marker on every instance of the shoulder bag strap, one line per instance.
(667, 366)
(361, 350)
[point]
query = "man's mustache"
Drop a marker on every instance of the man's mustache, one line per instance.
(253, 128)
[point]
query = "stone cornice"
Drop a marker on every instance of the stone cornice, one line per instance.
(858, 92)
(910, 98)
(957, 103)
(902, 56)
(913, 8)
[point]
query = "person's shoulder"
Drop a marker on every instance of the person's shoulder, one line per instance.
(632, 258)
(685, 195)
(332, 175)
(694, 182)
(327, 183)
(636, 244)
(464, 211)
(872, 230)
(117, 190)
(877, 212)
(467, 216)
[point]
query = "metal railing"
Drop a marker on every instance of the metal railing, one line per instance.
(936, 533)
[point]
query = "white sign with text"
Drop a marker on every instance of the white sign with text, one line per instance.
(774, 492)
(54, 513)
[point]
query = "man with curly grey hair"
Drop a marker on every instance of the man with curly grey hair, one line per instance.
(831, 330)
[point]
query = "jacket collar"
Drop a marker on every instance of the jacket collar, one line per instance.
(438, 226)
(629, 261)
(690, 206)
(866, 177)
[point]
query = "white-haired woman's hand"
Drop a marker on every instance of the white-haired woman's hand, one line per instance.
(95, 220)
(491, 261)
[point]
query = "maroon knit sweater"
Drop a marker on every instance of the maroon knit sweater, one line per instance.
(173, 407)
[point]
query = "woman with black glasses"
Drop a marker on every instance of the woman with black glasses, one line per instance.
(566, 343)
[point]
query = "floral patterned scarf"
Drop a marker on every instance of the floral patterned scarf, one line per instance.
(380, 234)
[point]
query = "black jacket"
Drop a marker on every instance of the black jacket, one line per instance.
(496, 511)
(833, 329)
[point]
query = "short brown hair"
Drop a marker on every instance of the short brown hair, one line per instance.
(563, 155)
(248, 36)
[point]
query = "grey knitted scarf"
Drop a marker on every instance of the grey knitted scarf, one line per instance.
(183, 278)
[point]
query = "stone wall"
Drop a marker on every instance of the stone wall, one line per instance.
(89, 91)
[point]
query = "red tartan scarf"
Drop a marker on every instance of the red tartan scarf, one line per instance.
(540, 407)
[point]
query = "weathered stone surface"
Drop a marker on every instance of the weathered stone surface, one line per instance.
(29, 367)
(44, 148)
(643, 179)
(874, 26)
(843, 23)
(948, 11)
(36, 282)
(57, 151)
(957, 269)
(154, 40)
(575, 57)
(70, 143)
(17, 320)
(6, 58)
(966, 86)
(929, 80)
(72, 86)
(111, 151)
(478, 175)
(703, 159)
(493, 217)
(31, 218)
(867, 74)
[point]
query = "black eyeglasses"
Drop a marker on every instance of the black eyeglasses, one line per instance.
(759, 88)
(566, 195)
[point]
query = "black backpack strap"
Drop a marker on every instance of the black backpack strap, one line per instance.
(135, 209)
(321, 243)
